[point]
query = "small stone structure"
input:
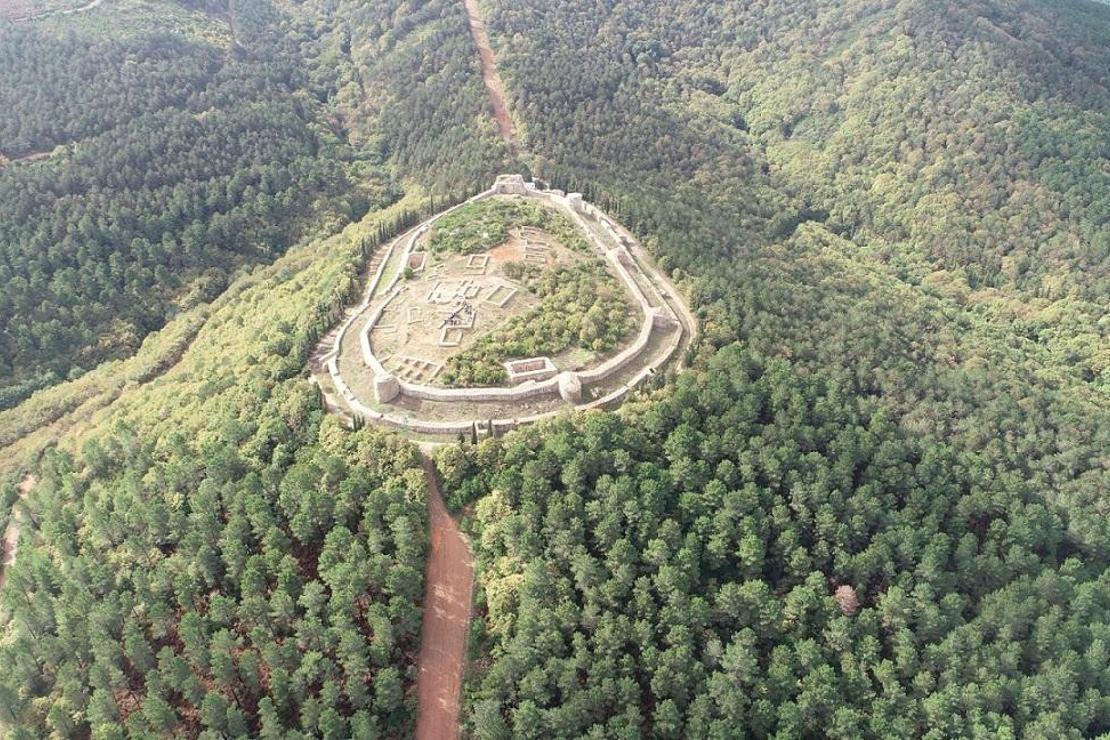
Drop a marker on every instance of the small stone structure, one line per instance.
(536, 252)
(462, 316)
(386, 387)
(500, 295)
(417, 260)
(534, 368)
(660, 319)
(451, 336)
(510, 185)
(453, 291)
(455, 324)
(570, 387)
(415, 369)
(478, 263)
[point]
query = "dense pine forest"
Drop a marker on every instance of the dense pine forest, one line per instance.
(247, 588)
(757, 553)
(876, 505)
(930, 229)
(217, 555)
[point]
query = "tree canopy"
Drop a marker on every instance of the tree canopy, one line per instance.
(678, 570)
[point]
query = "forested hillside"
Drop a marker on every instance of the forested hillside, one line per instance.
(876, 506)
(182, 161)
(402, 79)
(909, 197)
(906, 203)
(206, 552)
(210, 553)
(760, 554)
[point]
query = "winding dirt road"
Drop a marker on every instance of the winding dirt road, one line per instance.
(449, 585)
(492, 78)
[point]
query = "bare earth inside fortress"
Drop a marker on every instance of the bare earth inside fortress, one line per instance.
(427, 311)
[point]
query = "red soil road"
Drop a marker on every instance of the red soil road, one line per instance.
(449, 585)
(489, 73)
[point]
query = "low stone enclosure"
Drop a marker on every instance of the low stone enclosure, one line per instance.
(398, 390)
(534, 368)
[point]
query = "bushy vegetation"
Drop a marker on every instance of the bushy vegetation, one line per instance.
(479, 227)
(581, 306)
(679, 570)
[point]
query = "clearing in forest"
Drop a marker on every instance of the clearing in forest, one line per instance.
(490, 75)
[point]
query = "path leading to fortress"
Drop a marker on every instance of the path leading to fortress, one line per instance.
(448, 589)
(31, 16)
(11, 534)
(492, 78)
(29, 157)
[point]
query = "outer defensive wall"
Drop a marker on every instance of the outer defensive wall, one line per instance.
(665, 326)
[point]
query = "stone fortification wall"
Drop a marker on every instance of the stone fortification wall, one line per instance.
(654, 317)
(500, 425)
(498, 394)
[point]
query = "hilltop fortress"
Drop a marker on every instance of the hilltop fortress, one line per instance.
(385, 361)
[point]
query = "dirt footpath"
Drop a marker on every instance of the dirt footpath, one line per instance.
(11, 534)
(489, 73)
(21, 12)
(443, 640)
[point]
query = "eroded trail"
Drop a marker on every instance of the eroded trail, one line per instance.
(61, 11)
(448, 587)
(496, 87)
(11, 534)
